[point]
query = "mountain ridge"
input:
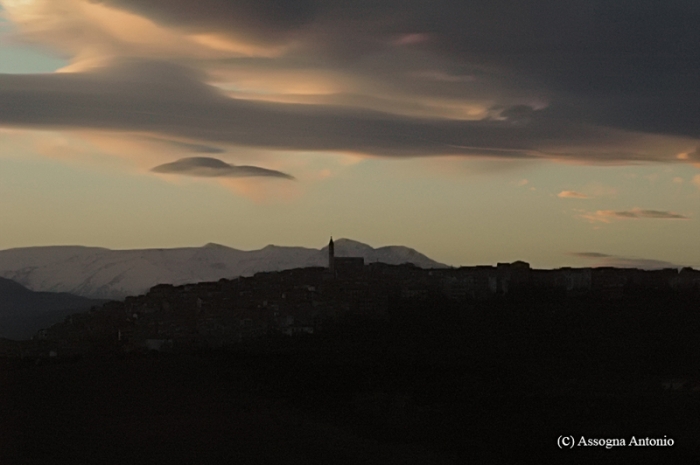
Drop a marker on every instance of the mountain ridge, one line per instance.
(98, 272)
(23, 311)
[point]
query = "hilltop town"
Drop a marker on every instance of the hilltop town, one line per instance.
(390, 354)
(310, 300)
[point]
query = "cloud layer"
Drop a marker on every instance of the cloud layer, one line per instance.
(590, 255)
(639, 213)
(213, 168)
(606, 216)
(590, 82)
(625, 262)
(158, 97)
(629, 64)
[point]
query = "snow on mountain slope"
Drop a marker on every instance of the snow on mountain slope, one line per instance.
(114, 274)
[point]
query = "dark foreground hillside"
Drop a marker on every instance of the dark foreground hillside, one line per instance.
(172, 410)
(225, 408)
(438, 383)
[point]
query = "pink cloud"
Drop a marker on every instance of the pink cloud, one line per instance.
(571, 195)
(696, 180)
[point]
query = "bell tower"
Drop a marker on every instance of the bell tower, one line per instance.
(331, 256)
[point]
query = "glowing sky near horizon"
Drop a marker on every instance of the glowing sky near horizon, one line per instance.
(568, 142)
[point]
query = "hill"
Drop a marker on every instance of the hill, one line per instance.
(24, 312)
(114, 274)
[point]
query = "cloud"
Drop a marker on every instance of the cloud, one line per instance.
(589, 191)
(214, 168)
(630, 65)
(625, 262)
(571, 195)
(590, 255)
(258, 20)
(696, 180)
(605, 216)
(641, 263)
(173, 101)
(586, 82)
(656, 214)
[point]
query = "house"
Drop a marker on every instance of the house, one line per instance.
(674, 384)
(458, 288)
(577, 279)
(159, 345)
(296, 330)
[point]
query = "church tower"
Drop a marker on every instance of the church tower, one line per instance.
(331, 256)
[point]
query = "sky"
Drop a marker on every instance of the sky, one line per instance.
(559, 133)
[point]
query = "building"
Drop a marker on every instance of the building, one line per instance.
(343, 266)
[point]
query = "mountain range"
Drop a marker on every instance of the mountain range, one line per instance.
(102, 273)
(23, 312)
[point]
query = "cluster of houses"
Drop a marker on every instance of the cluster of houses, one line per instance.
(215, 314)
(304, 301)
(483, 282)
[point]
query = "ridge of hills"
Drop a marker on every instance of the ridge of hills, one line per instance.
(23, 312)
(101, 273)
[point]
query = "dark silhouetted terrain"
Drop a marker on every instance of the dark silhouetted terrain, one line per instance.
(24, 312)
(491, 378)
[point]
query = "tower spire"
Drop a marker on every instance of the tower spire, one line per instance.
(331, 256)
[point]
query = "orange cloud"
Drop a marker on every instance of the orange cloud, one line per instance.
(571, 195)
(351, 106)
(92, 31)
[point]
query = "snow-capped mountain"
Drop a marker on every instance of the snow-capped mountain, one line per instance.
(114, 274)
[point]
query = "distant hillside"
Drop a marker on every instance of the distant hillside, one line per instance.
(24, 312)
(114, 274)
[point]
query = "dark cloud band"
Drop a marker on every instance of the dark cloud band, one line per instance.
(630, 64)
(652, 214)
(625, 262)
(162, 98)
(590, 255)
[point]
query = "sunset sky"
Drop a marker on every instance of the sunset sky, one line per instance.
(559, 133)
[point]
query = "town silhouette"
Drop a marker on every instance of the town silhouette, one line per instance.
(435, 364)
